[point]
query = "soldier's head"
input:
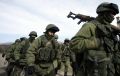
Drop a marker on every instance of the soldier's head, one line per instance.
(33, 35)
(17, 40)
(66, 41)
(107, 10)
(56, 36)
(51, 29)
(23, 38)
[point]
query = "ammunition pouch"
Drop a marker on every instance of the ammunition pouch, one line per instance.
(22, 62)
(97, 54)
(30, 70)
(116, 58)
(46, 55)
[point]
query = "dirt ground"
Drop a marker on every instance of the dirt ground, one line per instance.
(3, 65)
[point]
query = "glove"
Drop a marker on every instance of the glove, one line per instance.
(7, 59)
(17, 62)
(30, 70)
(3, 55)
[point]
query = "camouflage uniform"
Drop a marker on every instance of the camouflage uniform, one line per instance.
(10, 56)
(20, 54)
(94, 43)
(15, 63)
(42, 53)
(116, 61)
(66, 60)
(57, 61)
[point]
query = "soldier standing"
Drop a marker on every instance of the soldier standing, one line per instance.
(10, 56)
(66, 60)
(96, 41)
(20, 54)
(42, 53)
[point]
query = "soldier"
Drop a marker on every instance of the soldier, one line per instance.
(10, 56)
(66, 60)
(42, 53)
(57, 62)
(20, 53)
(56, 37)
(12, 70)
(95, 42)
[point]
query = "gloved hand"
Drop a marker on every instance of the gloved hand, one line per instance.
(30, 70)
(17, 62)
(7, 59)
(3, 55)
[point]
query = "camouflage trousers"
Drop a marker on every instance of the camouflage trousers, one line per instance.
(100, 70)
(18, 71)
(117, 69)
(44, 69)
(9, 68)
(79, 72)
(65, 69)
(111, 70)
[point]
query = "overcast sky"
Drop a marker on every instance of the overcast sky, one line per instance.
(19, 17)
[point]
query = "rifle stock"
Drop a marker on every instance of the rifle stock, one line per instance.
(85, 18)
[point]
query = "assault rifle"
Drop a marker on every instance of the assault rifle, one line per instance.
(85, 18)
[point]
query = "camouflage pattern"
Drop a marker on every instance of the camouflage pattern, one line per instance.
(42, 68)
(95, 43)
(10, 56)
(20, 54)
(66, 60)
(86, 41)
(17, 69)
(116, 61)
(42, 52)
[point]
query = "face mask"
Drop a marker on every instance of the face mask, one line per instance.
(108, 17)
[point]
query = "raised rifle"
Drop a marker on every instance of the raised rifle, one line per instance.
(83, 18)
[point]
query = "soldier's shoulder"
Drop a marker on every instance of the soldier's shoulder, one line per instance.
(90, 24)
(40, 38)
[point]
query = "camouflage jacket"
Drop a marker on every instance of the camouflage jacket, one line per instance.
(33, 50)
(88, 41)
(10, 52)
(20, 53)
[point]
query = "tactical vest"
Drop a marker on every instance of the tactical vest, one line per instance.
(104, 52)
(110, 38)
(66, 53)
(23, 50)
(46, 52)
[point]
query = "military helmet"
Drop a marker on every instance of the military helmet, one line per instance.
(66, 40)
(33, 33)
(23, 38)
(52, 27)
(106, 6)
(17, 40)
